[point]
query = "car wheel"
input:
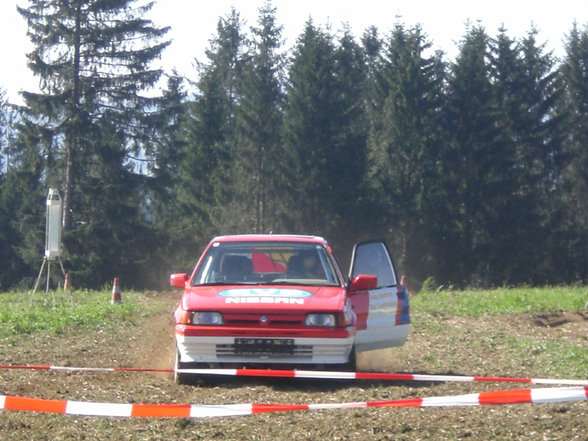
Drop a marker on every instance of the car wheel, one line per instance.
(180, 378)
(351, 365)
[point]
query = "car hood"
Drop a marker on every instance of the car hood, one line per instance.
(256, 298)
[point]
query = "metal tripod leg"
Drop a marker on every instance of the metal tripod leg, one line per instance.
(48, 275)
(40, 274)
(48, 262)
(61, 265)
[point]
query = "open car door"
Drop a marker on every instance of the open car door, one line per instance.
(383, 312)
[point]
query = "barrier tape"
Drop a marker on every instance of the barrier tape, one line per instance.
(324, 375)
(517, 396)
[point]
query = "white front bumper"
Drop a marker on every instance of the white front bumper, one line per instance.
(306, 351)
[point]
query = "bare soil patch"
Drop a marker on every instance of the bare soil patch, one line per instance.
(560, 318)
(464, 346)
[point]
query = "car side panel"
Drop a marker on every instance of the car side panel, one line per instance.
(384, 329)
(388, 318)
(360, 300)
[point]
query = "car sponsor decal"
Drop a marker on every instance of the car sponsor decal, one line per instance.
(265, 295)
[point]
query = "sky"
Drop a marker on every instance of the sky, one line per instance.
(193, 24)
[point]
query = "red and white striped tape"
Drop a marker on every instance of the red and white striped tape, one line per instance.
(517, 396)
(324, 375)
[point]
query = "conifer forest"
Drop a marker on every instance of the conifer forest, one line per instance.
(474, 169)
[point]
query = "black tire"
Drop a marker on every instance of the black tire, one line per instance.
(192, 379)
(180, 378)
(351, 365)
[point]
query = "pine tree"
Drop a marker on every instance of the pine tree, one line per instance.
(22, 219)
(259, 151)
(347, 161)
(9, 121)
(205, 178)
(112, 238)
(94, 62)
(4, 131)
(509, 227)
(168, 126)
(5, 245)
(311, 131)
(404, 148)
(93, 59)
(572, 258)
(471, 164)
(526, 89)
(376, 88)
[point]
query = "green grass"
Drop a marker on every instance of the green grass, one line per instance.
(477, 303)
(57, 311)
(559, 359)
(546, 355)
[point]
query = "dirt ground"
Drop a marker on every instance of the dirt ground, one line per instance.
(437, 345)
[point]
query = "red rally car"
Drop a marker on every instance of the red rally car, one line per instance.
(282, 300)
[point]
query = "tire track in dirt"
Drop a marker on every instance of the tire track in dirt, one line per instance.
(155, 336)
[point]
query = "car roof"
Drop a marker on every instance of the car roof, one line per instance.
(270, 238)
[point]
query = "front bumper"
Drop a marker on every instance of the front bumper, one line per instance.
(305, 350)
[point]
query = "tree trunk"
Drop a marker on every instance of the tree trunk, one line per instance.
(71, 143)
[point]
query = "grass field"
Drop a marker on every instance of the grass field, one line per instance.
(527, 332)
(54, 312)
(478, 303)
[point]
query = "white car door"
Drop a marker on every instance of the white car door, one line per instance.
(388, 317)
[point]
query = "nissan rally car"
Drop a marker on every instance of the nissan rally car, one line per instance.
(282, 301)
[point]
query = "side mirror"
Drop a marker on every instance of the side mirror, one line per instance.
(363, 282)
(178, 280)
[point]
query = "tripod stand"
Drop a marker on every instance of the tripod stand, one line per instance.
(47, 260)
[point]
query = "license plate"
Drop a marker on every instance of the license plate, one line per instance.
(264, 346)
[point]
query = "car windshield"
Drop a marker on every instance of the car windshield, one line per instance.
(266, 263)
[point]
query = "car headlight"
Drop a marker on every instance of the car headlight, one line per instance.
(320, 320)
(207, 318)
